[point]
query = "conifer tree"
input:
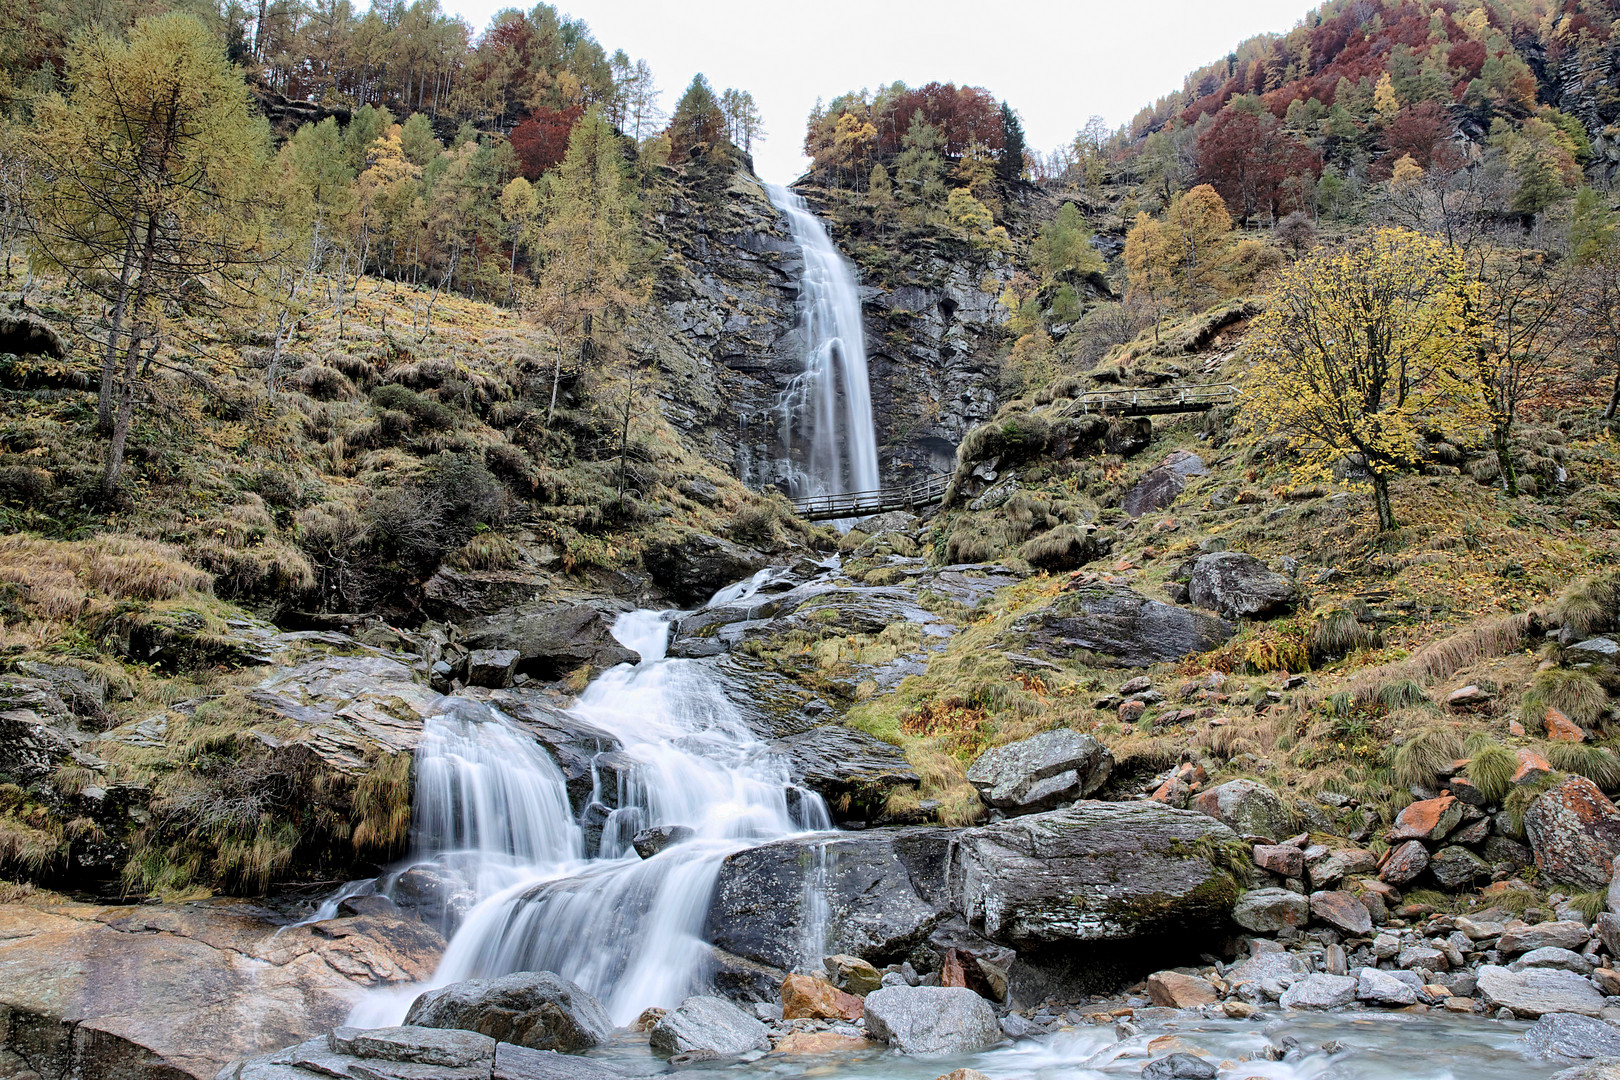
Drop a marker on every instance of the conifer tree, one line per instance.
(1010, 167)
(698, 120)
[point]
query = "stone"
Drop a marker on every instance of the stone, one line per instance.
(1405, 864)
(853, 772)
(805, 997)
(1174, 990)
(1382, 988)
(1246, 806)
(1160, 485)
(520, 1063)
(1343, 910)
(1467, 792)
(1422, 956)
(1532, 993)
(1319, 991)
(1121, 625)
(1095, 872)
(1179, 1067)
(1457, 867)
(708, 1026)
(1574, 831)
(536, 1009)
(1601, 651)
(492, 667)
(1328, 869)
(1281, 859)
(1608, 932)
(1561, 728)
(1597, 1070)
(552, 640)
(1041, 772)
(1267, 960)
(649, 842)
(1549, 956)
(692, 567)
(348, 710)
(1265, 911)
(1612, 898)
(819, 1043)
(1468, 697)
(1532, 766)
(931, 1019)
(1564, 934)
(1571, 1037)
(1478, 930)
(414, 1045)
(1427, 819)
(852, 974)
(1239, 586)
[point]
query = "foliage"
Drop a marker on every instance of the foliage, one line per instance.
(1426, 755)
(1491, 769)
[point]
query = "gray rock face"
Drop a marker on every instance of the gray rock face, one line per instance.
(694, 567)
(352, 706)
(1238, 586)
(1096, 872)
(1537, 991)
(1454, 867)
(1121, 627)
(1319, 991)
(1042, 771)
(1571, 1037)
(414, 1053)
(552, 640)
(1382, 988)
(931, 1019)
(708, 1026)
(420, 1046)
(492, 667)
(853, 771)
(536, 1009)
(1161, 484)
(1247, 808)
(885, 891)
(1265, 911)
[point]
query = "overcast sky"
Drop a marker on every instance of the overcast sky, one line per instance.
(1056, 62)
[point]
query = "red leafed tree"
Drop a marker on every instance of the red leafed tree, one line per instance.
(1424, 133)
(541, 141)
(1250, 160)
(965, 115)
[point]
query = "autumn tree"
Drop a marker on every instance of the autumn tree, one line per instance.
(1181, 259)
(1595, 250)
(743, 121)
(1252, 161)
(698, 120)
(151, 177)
(1064, 250)
(1359, 348)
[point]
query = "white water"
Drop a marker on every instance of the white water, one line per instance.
(827, 409)
(490, 803)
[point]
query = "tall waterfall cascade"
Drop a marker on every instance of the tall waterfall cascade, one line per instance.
(492, 810)
(827, 409)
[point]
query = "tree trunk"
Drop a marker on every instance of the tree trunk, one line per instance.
(1614, 398)
(109, 361)
(1386, 512)
(1501, 438)
(126, 409)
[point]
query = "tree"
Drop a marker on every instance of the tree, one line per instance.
(152, 172)
(1064, 248)
(698, 121)
(744, 123)
(541, 141)
(1010, 166)
(520, 206)
(1359, 348)
(1149, 266)
(918, 168)
(1254, 163)
(1592, 227)
(973, 219)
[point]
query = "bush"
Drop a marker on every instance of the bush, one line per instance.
(1017, 438)
(424, 412)
(1590, 606)
(755, 525)
(465, 491)
(1067, 547)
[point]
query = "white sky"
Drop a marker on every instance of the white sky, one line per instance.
(1056, 63)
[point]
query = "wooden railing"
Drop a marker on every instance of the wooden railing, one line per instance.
(924, 492)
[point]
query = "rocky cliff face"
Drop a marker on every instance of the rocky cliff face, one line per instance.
(722, 329)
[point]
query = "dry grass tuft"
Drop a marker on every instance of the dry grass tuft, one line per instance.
(1444, 658)
(61, 579)
(1427, 754)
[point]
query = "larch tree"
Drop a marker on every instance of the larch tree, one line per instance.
(1360, 348)
(151, 175)
(698, 119)
(1064, 249)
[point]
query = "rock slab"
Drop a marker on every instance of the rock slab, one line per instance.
(536, 1009)
(1040, 772)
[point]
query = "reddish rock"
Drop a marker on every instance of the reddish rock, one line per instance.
(1607, 981)
(1131, 711)
(1405, 863)
(1280, 859)
(1189, 773)
(1430, 819)
(951, 972)
(1173, 792)
(1342, 910)
(1515, 729)
(1574, 831)
(1173, 990)
(1561, 728)
(821, 1042)
(1531, 766)
(805, 997)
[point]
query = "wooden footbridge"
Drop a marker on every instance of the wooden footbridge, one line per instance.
(931, 489)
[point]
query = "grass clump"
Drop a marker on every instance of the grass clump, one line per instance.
(1591, 605)
(1491, 770)
(1338, 633)
(1403, 694)
(1421, 760)
(1574, 693)
(1598, 764)
(1519, 800)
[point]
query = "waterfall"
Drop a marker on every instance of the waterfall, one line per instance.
(827, 409)
(490, 803)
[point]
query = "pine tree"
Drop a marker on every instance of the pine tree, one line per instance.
(1010, 167)
(698, 119)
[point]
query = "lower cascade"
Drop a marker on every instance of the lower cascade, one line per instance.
(492, 812)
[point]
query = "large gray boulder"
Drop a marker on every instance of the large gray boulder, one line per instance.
(1247, 807)
(536, 1009)
(552, 640)
(1265, 911)
(708, 1027)
(1319, 991)
(1095, 872)
(414, 1053)
(885, 890)
(1536, 991)
(853, 771)
(1238, 586)
(1575, 832)
(1161, 484)
(694, 566)
(1041, 772)
(1383, 988)
(1120, 627)
(931, 1019)
(1571, 1037)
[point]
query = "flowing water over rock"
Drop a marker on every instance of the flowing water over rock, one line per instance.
(493, 808)
(827, 410)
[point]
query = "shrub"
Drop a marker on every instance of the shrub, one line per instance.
(756, 525)
(465, 491)
(1402, 694)
(1066, 547)
(1338, 633)
(424, 412)
(1596, 763)
(1591, 605)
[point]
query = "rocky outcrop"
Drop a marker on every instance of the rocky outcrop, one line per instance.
(1238, 586)
(536, 1009)
(1111, 624)
(694, 566)
(1160, 485)
(853, 771)
(350, 707)
(1537, 991)
(1041, 772)
(708, 1027)
(552, 640)
(414, 1053)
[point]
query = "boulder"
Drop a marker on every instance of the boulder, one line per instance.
(694, 566)
(1265, 911)
(1382, 988)
(1457, 867)
(536, 1009)
(1285, 860)
(1571, 1037)
(1095, 872)
(407, 1053)
(1405, 863)
(1538, 991)
(931, 1019)
(1608, 1069)
(552, 640)
(1427, 819)
(1121, 626)
(1602, 651)
(413, 1045)
(1238, 586)
(1267, 960)
(1549, 956)
(1174, 990)
(853, 771)
(1342, 910)
(1319, 991)
(1041, 772)
(649, 842)
(708, 1027)
(1574, 831)
(492, 667)
(805, 997)
(852, 974)
(1562, 934)
(1160, 485)
(1180, 1066)
(350, 708)
(1247, 807)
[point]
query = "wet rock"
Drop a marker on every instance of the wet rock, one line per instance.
(649, 842)
(1574, 831)
(1597, 1070)
(1238, 586)
(1179, 1067)
(695, 566)
(1571, 1037)
(492, 667)
(521, 1063)
(708, 1026)
(1342, 910)
(1319, 991)
(852, 974)
(1427, 819)
(350, 708)
(1041, 772)
(1550, 957)
(1457, 867)
(1538, 991)
(552, 640)
(1405, 863)
(1265, 911)
(1096, 872)
(931, 1019)
(1161, 484)
(1563, 934)
(536, 1009)
(1382, 988)
(415, 1045)
(853, 771)
(1174, 990)
(1247, 807)
(1120, 626)
(805, 997)
(821, 1043)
